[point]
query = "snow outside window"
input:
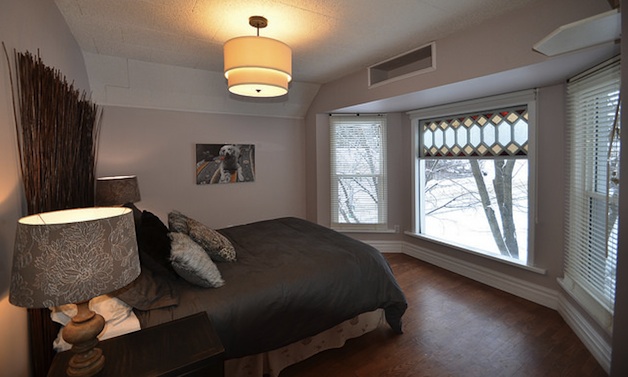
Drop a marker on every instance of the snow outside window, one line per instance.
(473, 175)
(358, 172)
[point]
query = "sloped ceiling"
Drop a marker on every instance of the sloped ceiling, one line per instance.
(329, 38)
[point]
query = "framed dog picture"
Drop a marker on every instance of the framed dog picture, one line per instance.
(224, 163)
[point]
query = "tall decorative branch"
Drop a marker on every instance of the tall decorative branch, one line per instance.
(57, 131)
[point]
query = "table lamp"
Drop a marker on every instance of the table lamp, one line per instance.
(71, 256)
(117, 190)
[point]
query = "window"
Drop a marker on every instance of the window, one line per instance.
(591, 211)
(358, 172)
(473, 175)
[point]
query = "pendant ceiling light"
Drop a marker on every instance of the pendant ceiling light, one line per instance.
(257, 66)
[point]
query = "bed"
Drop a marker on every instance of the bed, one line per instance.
(284, 289)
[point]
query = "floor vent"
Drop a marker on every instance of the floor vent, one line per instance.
(415, 62)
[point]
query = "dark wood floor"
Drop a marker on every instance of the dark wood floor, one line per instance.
(455, 326)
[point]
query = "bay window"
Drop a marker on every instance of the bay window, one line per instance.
(473, 175)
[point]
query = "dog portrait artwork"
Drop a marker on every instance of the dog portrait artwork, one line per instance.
(225, 163)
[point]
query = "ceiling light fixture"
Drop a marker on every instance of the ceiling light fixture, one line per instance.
(257, 66)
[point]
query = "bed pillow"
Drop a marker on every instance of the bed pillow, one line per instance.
(217, 246)
(192, 263)
(119, 318)
(178, 222)
(152, 240)
(154, 287)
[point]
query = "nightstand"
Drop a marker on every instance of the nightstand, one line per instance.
(185, 347)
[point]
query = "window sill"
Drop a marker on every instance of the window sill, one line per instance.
(598, 311)
(497, 258)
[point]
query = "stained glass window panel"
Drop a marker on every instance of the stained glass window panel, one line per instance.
(500, 132)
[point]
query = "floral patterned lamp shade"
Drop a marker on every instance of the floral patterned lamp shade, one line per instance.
(71, 256)
(117, 190)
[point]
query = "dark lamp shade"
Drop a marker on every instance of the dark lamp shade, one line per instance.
(118, 190)
(71, 256)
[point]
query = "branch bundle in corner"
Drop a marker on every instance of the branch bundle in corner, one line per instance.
(57, 132)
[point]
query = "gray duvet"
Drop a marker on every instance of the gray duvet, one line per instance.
(292, 279)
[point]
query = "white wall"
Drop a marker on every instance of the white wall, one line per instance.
(159, 147)
(119, 81)
(25, 25)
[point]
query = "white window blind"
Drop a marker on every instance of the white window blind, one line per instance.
(358, 172)
(591, 216)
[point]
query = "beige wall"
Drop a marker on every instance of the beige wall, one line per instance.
(24, 25)
(158, 146)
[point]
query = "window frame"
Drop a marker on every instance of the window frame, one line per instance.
(525, 97)
(585, 166)
(382, 224)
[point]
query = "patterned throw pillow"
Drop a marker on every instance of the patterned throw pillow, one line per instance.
(178, 222)
(192, 263)
(217, 246)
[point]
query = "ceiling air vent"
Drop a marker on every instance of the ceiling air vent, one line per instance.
(415, 62)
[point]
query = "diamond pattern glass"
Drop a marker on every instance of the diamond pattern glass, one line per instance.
(501, 132)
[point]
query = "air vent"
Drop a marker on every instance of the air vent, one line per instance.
(402, 66)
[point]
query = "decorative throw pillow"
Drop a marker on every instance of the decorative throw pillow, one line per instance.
(178, 222)
(154, 288)
(217, 246)
(192, 263)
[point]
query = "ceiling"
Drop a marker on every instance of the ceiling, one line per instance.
(329, 38)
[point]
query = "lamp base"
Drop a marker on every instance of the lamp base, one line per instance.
(82, 332)
(86, 364)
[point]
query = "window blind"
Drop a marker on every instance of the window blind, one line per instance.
(358, 172)
(591, 211)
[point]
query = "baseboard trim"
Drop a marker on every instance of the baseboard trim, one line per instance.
(387, 246)
(592, 339)
(521, 288)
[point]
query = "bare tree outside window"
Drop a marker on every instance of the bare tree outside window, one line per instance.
(474, 169)
(358, 171)
(484, 198)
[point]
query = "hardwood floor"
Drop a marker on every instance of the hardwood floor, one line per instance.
(455, 326)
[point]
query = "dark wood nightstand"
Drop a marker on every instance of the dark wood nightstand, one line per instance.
(184, 347)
